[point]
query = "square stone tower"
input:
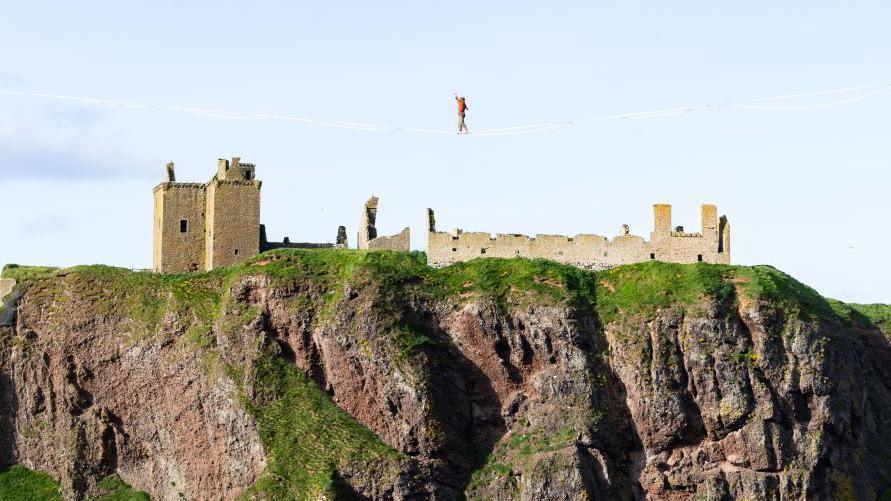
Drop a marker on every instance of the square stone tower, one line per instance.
(178, 244)
(205, 226)
(233, 214)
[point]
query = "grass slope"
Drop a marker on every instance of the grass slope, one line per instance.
(18, 483)
(112, 488)
(307, 437)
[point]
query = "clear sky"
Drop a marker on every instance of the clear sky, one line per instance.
(806, 191)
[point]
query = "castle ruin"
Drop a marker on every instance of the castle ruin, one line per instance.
(368, 239)
(202, 226)
(594, 252)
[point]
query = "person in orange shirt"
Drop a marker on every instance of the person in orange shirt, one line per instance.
(462, 107)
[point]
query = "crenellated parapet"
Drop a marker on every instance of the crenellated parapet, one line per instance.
(589, 251)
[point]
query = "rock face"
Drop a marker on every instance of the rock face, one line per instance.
(511, 389)
(82, 403)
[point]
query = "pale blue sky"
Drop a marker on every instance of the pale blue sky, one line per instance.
(806, 191)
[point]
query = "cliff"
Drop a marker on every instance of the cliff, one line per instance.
(313, 374)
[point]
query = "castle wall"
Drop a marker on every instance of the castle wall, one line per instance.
(583, 251)
(233, 215)
(367, 230)
(174, 250)
(6, 286)
(398, 242)
(587, 251)
(367, 237)
(724, 235)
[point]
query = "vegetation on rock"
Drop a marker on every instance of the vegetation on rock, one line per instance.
(307, 438)
(18, 483)
(309, 441)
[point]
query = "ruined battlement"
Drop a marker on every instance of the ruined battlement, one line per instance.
(368, 238)
(202, 226)
(711, 245)
(186, 186)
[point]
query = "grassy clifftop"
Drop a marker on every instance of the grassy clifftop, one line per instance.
(624, 290)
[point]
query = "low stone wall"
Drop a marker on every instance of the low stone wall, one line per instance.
(265, 246)
(399, 242)
(6, 285)
(9, 301)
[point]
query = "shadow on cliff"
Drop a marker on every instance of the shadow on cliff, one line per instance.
(617, 435)
(9, 406)
(9, 403)
(463, 402)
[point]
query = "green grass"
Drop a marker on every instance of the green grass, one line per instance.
(307, 438)
(780, 291)
(397, 277)
(22, 273)
(502, 280)
(864, 316)
(18, 483)
(514, 451)
(142, 297)
(112, 488)
(639, 289)
(878, 315)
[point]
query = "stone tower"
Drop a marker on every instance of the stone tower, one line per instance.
(204, 226)
(232, 214)
(178, 243)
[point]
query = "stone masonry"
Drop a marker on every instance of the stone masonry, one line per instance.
(6, 286)
(202, 226)
(368, 239)
(711, 245)
(205, 226)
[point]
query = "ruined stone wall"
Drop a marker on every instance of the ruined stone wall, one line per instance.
(175, 250)
(682, 247)
(233, 222)
(587, 251)
(398, 242)
(584, 251)
(6, 286)
(367, 230)
(367, 237)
